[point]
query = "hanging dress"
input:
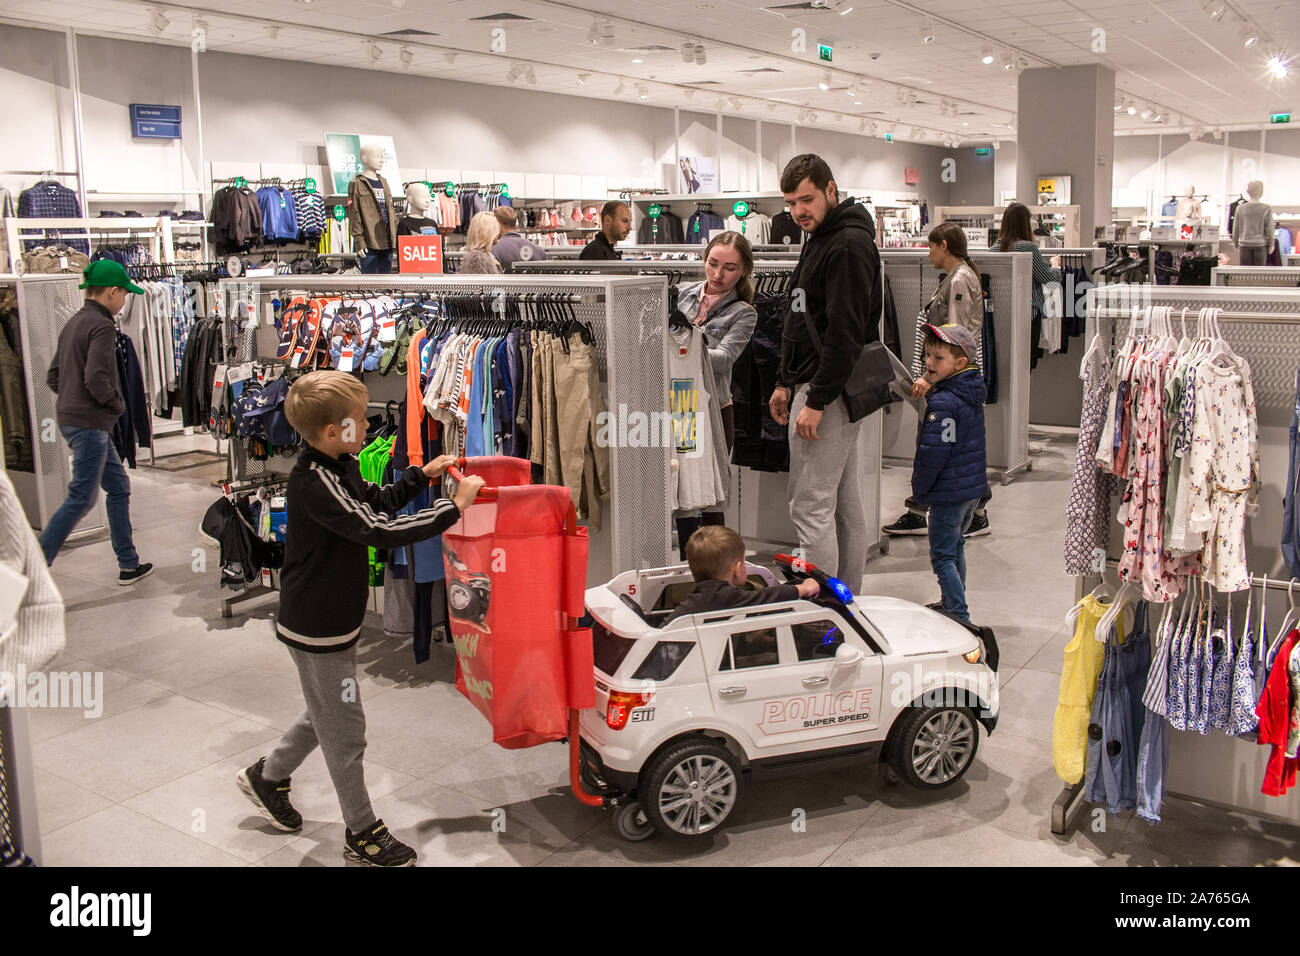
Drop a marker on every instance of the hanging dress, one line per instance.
(1087, 512)
(1084, 656)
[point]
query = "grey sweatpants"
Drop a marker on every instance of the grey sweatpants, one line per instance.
(826, 503)
(334, 720)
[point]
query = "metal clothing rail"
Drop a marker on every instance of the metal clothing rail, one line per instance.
(1258, 276)
(159, 227)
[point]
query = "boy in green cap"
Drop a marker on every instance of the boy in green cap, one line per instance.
(84, 376)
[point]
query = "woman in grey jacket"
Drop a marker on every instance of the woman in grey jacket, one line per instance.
(723, 306)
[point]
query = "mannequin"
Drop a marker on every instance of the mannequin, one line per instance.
(370, 213)
(1189, 207)
(416, 221)
(1253, 229)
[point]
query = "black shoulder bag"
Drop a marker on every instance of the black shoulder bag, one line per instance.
(867, 389)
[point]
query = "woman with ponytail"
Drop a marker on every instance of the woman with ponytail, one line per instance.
(723, 306)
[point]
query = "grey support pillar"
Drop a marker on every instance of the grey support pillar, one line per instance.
(1066, 126)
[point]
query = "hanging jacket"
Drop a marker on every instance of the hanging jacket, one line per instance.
(279, 213)
(728, 328)
(950, 456)
(889, 332)
(761, 443)
(989, 345)
(838, 282)
(13, 410)
(132, 429)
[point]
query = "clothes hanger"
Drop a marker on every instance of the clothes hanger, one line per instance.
(1127, 592)
(1288, 622)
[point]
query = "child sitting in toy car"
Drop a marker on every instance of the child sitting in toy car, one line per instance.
(716, 556)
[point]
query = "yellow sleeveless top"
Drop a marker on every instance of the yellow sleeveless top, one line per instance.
(1083, 659)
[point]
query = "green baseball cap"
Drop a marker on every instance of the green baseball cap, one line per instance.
(107, 273)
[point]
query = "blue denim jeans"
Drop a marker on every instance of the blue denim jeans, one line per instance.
(947, 524)
(378, 261)
(95, 464)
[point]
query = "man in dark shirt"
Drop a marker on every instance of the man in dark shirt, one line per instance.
(836, 301)
(716, 555)
(510, 246)
(615, 224)
(84, 376)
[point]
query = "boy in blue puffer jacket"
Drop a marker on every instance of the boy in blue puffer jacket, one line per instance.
(949, 472)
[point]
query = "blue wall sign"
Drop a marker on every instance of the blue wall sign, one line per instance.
(163, 114)
(142, 129)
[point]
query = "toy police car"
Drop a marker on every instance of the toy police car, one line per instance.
(686, 710)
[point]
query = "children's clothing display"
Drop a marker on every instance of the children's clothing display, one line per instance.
(1084, 656)
(1087, 511)
(1180, 428)
(236, 217)
(1118, 717)
(279, 214)
(50, 199)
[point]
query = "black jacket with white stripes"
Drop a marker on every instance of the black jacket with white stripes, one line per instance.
(333, 516)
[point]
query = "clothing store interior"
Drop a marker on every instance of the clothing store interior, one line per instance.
(959, 344)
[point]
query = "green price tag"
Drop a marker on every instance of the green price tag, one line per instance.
(340, 213)
(697, 226)
(655, 211)
(240, 182)
(309, 185)
(451, 190)
(505, 190)
(741, 209)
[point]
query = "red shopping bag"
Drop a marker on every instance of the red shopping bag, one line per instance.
(516, 570)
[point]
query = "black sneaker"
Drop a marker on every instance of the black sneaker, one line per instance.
(137, 573)
(377, 847)
(979, 525)
(271, 797)
(909, 523)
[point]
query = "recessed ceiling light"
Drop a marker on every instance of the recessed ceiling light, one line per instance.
(1249, 36)
(638, 60)
(1140, 20)
(825, 82)
(986, 54)
(1277, 66)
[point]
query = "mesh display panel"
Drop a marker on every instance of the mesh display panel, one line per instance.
(45, 303)
(1256, 276)
(913, 281)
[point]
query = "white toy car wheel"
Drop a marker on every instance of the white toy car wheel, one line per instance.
(632, 823)
(690, 789)
(935, 746)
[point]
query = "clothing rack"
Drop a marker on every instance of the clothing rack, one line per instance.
(157, 229)
(628, 317)
(1263, 326)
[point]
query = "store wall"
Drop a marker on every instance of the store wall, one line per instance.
(1004, 173)
(862, 161)
(38, 126)
(974, 185)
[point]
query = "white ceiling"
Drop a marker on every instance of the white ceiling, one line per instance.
(1168, 54)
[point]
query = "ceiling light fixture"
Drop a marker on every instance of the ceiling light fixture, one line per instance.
(583, 78)
(771, 107)
(862, 125)
(1008, 64)
(618, 90)
(1249, 36)
(514, 73)
(927, 31)
(1277, 66)
(1214, 9)
(1022, 63)
(701, 57)
(1119, 104)
(986, 54)
(1131, 108)
(997, 144)
(846, 11)
(1146, 113)
(825, 82)
(407, 55)
(158, 21)
(374, 50)
(638, 60)
(530, 76)
(642, 93)
(272, 31)
(688, 51)
(449, 57)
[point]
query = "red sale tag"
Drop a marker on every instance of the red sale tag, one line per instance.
(419, 254)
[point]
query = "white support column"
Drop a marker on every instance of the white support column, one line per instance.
(74, 82)
(717, 146)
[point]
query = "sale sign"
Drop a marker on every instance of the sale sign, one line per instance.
(419, 254)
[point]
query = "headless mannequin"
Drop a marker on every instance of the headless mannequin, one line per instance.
(416, 220)
(1189, 207)
(1247, 230)
(372, 158)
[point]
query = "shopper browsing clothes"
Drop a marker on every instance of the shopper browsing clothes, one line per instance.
(836, 302)
(948, 476)
(510, 246)
(84, 376)
(478, 259)
(615, 224)
(723, 305)
(959, 299)
(333, 516)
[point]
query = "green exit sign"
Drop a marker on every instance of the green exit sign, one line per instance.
(1280, 118)
(983, 151)
(889, 137)
(824, 52)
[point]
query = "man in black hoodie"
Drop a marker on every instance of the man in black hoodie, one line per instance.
(836, 301)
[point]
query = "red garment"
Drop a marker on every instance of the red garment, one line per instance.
(414, 401)
(1274, 713)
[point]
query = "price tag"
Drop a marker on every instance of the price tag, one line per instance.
(220, 380)
(240, 182)
(505, 190)
(309, 185)
(340, 213)
(655, 211)
(741, 209)
(63, 263)
(451, 190)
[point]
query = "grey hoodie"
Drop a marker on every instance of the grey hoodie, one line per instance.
(728, 329)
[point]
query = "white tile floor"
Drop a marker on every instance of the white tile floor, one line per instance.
(190, 699)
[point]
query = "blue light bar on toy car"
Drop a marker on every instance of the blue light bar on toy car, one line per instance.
(841, 590)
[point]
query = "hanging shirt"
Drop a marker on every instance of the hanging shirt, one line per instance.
(695, 420)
